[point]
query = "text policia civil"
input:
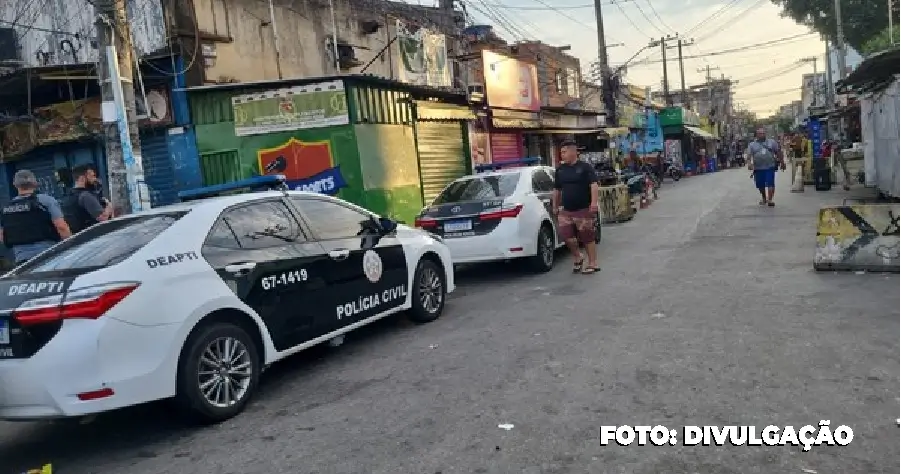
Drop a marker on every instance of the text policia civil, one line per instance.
(805, 437)
(373, 301)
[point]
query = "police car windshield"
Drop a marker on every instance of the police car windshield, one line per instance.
(478, 188)
(102, 245)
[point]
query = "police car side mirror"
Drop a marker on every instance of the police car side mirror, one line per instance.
(387, 225)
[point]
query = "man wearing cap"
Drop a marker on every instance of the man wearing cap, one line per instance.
(576, 202)
(32, 222)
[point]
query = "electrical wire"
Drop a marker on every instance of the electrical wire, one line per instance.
(765, 44)
(561, 7)
(648, 19)
(568, 16)
(171, 51)
(629, 19)
(732, 20)
(769, 94)
(657, 15)
(711, 17)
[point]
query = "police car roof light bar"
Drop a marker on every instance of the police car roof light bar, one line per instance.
(529, 161)
(257, 183)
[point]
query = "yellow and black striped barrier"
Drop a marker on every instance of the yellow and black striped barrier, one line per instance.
(858, 237)
(615, 204)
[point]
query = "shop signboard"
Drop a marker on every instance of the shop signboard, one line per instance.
(294, 108)
(510, 83)
(678, 117)
(816, 137)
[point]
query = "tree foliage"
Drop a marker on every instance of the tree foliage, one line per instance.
(880, 42)
(861, 19)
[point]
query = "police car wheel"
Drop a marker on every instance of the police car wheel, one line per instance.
(429, 292)
(218, 371)
(543, 260)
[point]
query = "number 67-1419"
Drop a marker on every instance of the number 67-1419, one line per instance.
(285, 278)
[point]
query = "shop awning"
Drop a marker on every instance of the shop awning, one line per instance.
(616, 131)
(700, 132)
(428, 110)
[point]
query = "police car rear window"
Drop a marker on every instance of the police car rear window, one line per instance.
(102, 245)
(477, 188)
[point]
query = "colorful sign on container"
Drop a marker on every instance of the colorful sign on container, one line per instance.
(510, 83)
(317, 105)
(307, 166)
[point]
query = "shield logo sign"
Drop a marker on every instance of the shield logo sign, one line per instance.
(308, 166)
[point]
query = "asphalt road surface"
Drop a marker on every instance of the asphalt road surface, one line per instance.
(707, 312)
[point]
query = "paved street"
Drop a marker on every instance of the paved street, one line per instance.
(707, 312)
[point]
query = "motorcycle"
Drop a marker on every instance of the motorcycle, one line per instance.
(674, 172)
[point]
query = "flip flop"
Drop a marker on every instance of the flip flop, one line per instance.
(591, 270)
(577, 266)
(771, 204)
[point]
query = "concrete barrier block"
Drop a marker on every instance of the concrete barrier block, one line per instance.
(858, 237)
(615, 203)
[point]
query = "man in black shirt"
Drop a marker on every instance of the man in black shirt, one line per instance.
(576, 203)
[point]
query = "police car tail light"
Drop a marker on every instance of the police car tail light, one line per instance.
(507, 211)
(84, 303)
(425, 223)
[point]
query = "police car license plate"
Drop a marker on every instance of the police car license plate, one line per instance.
(4, 331)
(457, 226)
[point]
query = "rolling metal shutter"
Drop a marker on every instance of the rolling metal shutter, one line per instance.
(159, 174)
(442, 155)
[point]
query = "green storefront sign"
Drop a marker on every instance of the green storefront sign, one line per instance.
(317, 105)
(678, 117)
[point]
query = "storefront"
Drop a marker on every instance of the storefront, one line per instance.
(441, 131)
(509, 137)
(685, 140)
(371, 141)
(581, 127)
(513, 110)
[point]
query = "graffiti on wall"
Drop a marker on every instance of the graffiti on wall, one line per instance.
(858, 237)
(308, 166)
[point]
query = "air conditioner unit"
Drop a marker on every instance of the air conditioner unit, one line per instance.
(475, 93)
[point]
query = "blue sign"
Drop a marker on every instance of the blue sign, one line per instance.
(815, 130)
(328, 182)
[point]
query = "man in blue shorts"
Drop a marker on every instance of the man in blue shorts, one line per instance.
(764, 155)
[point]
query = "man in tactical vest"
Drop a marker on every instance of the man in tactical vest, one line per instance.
(83, 207)
(31, 222)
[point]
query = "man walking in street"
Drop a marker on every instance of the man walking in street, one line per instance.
(764, 154)
(83, 207)
(576, 202)
(31, 222)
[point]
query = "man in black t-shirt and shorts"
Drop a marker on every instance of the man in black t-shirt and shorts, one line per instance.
(576, 202)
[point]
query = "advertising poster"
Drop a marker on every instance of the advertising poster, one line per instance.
(294, 108)
(423, 56)
(506, 147)
(674, 151)
(479, 148)
(509, 83)
(308, 166)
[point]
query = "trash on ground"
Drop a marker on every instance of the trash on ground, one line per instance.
(658, 315)
(505, 426)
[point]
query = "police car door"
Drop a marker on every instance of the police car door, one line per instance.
(367, 272)
(543, 188)
(261, 252)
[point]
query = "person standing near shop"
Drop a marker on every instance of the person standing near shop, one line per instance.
(575, 200)
(764, 155)
(32, 222)
(83, 208)
(798, 159)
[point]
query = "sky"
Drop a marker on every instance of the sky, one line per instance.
(765, 77)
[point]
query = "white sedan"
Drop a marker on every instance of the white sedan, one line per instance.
(192, 301)
(497, 215)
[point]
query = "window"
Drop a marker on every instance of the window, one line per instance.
(478, 188)
(102, 245)
(256, 226)
(541, 182)
(560, 77)
(329, 220)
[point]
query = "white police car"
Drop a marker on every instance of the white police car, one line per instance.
(194, 300)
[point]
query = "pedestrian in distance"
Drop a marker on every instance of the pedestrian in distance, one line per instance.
(764, 155)
(798, 158)
(32, 222)
(84, 208)
(575, 200)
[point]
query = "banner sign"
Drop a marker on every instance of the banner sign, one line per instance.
(310, 106)
(307, 166)
(423, 56)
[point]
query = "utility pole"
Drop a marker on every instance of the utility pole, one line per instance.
(709, 84)
(830, 91)
(816, 82)
(666, 95)
(128, 192)
(839, 40)
(609, 95)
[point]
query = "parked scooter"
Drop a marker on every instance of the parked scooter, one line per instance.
(674, 172)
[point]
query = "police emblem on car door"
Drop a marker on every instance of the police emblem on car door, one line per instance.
(367, 266)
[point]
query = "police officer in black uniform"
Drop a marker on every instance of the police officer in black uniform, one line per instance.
(31, 222)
